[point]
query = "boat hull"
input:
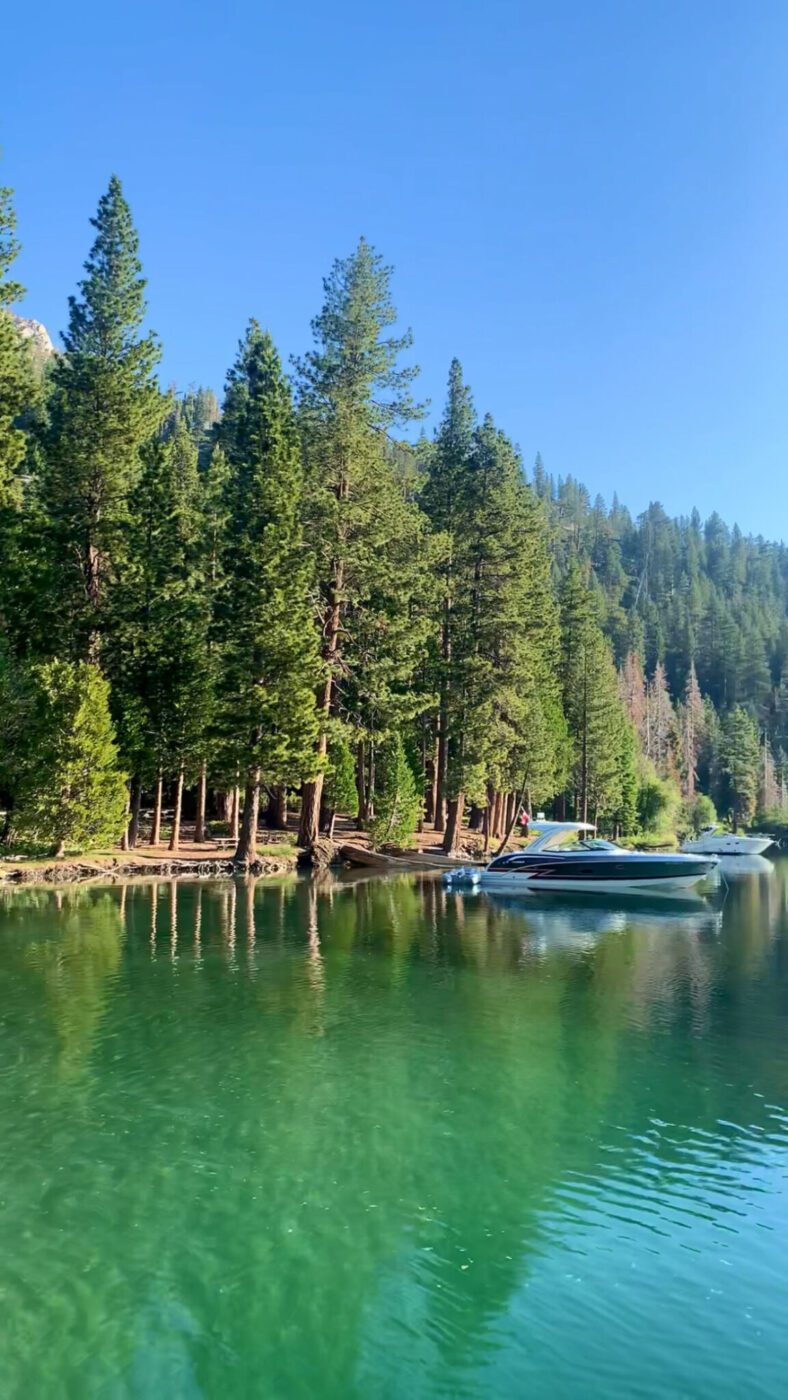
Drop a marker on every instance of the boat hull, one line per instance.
(728, 845)
(514, 882)
(607, 875)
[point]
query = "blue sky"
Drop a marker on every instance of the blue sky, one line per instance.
(587, 203)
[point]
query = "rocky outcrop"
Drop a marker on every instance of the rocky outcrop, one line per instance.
(38, 337)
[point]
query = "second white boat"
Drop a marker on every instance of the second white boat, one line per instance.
(713, 842)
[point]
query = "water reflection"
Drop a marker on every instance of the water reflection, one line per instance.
(364, 1137)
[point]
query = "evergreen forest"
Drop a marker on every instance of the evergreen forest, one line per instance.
(285, 601)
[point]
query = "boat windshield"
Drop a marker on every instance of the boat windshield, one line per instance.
(576, 841)
(596, 843)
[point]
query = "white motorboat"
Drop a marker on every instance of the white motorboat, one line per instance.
(569, 856)
(711, 841)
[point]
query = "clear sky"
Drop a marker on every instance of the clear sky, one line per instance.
(586, 202)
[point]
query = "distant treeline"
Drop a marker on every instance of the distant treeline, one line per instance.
(287, 597)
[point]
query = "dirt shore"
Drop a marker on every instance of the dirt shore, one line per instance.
(206, 860)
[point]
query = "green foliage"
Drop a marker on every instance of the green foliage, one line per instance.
(625, 813)
(739, 763)
(269, 663)
(69, 788)
(594, 713)
(206, 561)
(372, 557)
(17, 380)
(397, 800)
(697, 813)
(497, 623)
(339, 790)
(105, 405)
(659, 801)
(16, 698)
(158, 654)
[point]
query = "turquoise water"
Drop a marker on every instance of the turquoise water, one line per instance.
(373, 1140)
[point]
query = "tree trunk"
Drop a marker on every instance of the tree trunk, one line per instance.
(439, 820)
(495, 817)
(312, 792)
(429, 792)
(486, 828)
(361, 784)
(511, 803)
(276, 813)
(155, 834)
(332, 821)
(246, 849)
(200, 834)
(515, 807)
(124, 840)
(134, 820)
(453, 824)
(371, 784)
(443, 717)
(175, 834)
(58, 850)
(236, 812)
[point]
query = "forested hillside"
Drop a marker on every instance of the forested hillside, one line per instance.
(289, 599)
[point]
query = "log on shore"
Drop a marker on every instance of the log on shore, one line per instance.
(425, 860)
(362, 855)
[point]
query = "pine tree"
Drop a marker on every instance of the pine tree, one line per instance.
(624, 814)
(214, 517)
(593, 710)
(445, 499)
(70, 789)
(105, 406)
(339, 789)
(739, 761)
(351, 393)
(398, 801)
(158, 650)
(632, 689)
(661, 725)
(386, 629)
(269, 663)
(502, 689)
(690, 721)
(769, 785)
(17, 384)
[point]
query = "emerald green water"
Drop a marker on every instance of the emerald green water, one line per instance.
(373, 1140)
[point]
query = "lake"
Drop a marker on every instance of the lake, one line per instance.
(370, 1139)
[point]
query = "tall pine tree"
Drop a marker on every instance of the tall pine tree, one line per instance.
(105, 406)
(352, 392)
(269, 662)
(16, 370)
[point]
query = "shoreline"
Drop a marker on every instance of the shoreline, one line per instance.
(81, 871)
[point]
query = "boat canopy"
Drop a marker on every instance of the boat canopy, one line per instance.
(549, 834)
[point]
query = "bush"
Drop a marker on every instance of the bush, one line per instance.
(339, 790)
(397, 800)
(69, 788)
(697, 813)
(658, 804)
